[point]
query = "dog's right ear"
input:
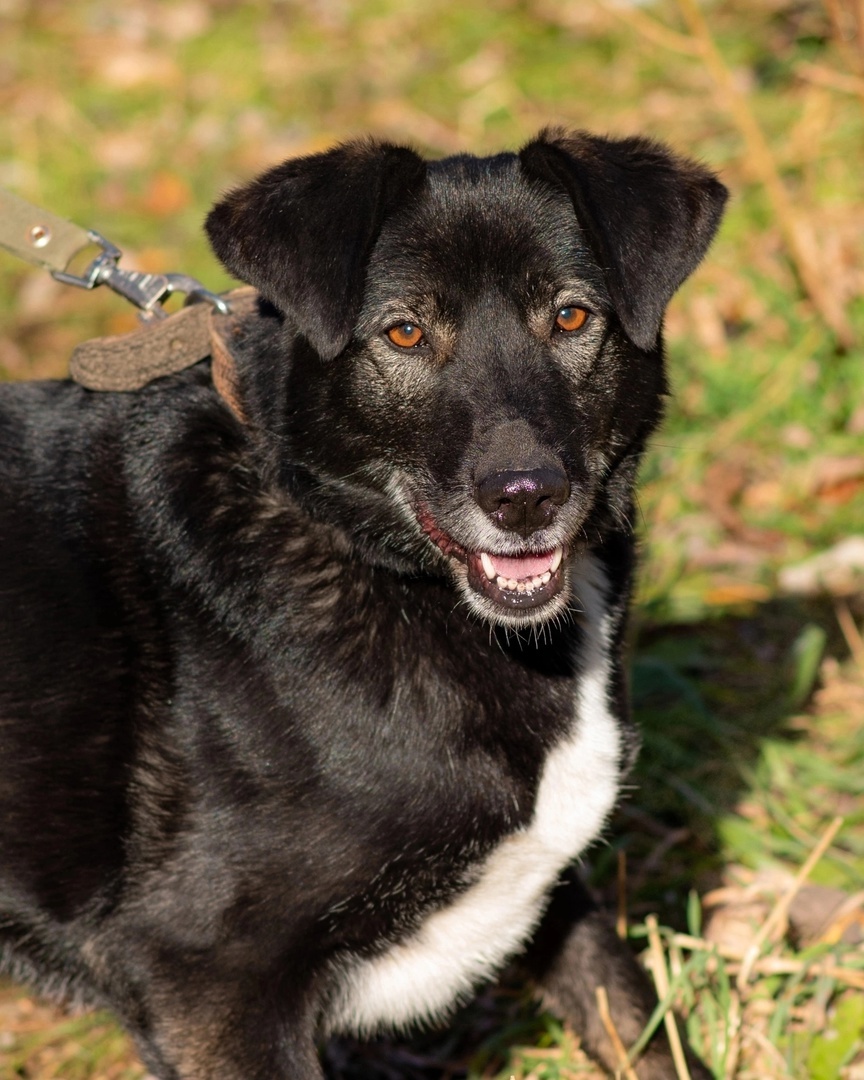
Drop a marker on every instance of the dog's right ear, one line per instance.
(302, 233)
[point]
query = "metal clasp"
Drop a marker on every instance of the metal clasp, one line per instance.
(146, 291)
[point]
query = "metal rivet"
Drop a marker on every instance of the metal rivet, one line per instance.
(40, 236)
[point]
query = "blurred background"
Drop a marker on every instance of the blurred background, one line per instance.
(744, 827)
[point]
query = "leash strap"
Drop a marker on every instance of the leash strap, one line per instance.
(39, 237)
(130, 361)
(164, 347)
(165, 343)
(52, 242)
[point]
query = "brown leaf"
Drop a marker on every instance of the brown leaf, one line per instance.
(724, 485)
(820, 913)
(837, 480)
(166, 195)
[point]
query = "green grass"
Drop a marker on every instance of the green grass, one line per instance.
(133, 118)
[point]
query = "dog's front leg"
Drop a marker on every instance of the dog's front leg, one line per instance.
(227, 1031)
(575, 951)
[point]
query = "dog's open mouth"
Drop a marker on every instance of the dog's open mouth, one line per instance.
(512, 581)
(521, 581)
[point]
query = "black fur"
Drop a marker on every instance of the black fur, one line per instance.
(261, 710)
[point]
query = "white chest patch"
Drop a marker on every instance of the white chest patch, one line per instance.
(466, 943)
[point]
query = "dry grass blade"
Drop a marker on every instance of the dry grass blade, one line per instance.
(800, 242)
(734, 1031)
(820, 75)
(653, 29)
(776, 921)
(661, 981)
(773, 965)
(624, 1069)
(850, 632)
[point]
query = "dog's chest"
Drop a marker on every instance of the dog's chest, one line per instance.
(466, 941)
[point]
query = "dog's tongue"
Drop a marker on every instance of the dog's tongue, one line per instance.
(528, 566)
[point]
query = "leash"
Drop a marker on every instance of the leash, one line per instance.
(53, 243)
(166, 343)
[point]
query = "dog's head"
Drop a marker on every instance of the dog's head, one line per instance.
(473, 345)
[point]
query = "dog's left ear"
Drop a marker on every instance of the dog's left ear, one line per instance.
(302, 233)
(649, 216)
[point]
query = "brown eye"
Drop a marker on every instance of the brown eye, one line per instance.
(571, 318)
(405, 335)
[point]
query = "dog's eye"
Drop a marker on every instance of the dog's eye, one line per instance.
(570, 318)
(405, 335)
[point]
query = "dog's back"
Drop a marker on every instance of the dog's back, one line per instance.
(67, 641)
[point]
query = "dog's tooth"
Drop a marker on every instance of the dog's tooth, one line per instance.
(512, 584)
(501, 582)
(544, 578)
(520, 586)
(556, 559)
(488, 568)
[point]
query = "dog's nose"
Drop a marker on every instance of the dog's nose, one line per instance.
(523, 501)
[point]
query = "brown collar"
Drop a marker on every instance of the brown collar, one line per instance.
(165, 346)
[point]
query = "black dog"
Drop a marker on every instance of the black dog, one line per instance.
(305, 715)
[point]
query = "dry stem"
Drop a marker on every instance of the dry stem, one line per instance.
(804, 252)
(799, 239)
(776, 921)
(661, 981)
(850, 631)
(625, 1069)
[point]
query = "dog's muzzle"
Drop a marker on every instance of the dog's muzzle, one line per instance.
(520, 486)
(510, 581)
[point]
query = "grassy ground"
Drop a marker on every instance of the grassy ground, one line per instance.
(749, 663)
